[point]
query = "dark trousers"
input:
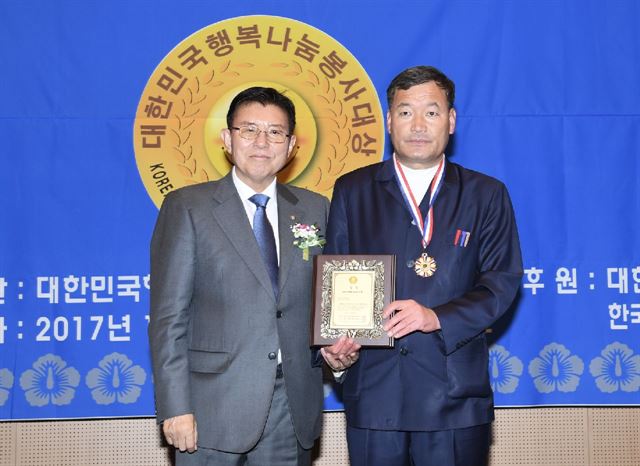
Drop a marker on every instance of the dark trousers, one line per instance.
(277, 446)
(456, 447)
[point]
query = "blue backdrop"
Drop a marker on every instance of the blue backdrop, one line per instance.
(547, 100)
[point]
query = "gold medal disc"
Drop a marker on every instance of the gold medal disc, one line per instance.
(425, 266)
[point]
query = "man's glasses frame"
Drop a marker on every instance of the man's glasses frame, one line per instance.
(251, 133)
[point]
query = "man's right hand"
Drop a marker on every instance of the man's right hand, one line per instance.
(181, 432)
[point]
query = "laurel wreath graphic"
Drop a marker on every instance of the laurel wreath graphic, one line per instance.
(335, 134)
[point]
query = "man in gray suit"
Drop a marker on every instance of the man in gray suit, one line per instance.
(231, 299)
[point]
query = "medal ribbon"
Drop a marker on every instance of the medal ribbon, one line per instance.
(425, 226)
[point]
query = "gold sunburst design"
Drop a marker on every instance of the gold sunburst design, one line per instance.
(425, 266)
(176, 131)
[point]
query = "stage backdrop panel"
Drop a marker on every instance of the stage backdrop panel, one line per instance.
(547, 102)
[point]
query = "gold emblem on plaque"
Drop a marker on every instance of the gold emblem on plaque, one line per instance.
(425, 266)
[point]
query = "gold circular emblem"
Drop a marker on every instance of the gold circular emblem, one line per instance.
(353, 279)
(425, 266)
(183, 107)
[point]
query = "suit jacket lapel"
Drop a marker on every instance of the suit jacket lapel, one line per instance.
(387, 178)
(229, 212)
(289, 213)
(445, 196)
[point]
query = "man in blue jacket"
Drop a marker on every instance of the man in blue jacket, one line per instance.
(428, 400)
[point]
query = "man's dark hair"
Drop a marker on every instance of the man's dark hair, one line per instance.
(265, 96)
(420, 75)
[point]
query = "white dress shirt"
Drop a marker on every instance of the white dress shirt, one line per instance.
(246, 192)
(419, 180)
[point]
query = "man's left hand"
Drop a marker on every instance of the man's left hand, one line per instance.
(342, 354)
(410, 316)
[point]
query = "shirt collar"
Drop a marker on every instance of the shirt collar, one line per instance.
(245, 191)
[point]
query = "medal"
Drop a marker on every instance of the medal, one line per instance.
(424, 266)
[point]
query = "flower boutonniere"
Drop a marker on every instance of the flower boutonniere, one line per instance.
(306, 236)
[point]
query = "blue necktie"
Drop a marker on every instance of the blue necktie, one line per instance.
(266, 241)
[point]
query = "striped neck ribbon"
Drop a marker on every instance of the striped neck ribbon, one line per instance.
(425, 226)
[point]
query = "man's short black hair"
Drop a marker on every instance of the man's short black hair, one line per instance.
(265, 96)
(421, 75)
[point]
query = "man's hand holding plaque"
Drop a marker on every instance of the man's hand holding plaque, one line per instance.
(407, 316)
(342, 354)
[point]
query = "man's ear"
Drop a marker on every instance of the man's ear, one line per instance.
(452, 120)
(292, 144)
(225, 134)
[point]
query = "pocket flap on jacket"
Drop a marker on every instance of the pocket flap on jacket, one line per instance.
(214, 362)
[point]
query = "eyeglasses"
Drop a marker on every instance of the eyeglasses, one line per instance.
(251, 133)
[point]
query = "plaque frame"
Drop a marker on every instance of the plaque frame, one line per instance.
(324, 268)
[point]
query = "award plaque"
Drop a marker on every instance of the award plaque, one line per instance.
(349, 293)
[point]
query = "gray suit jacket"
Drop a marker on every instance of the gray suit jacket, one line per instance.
(215, 324)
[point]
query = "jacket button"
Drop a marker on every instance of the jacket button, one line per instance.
(410, 264)
(272, 355)
(404, 351)
(279, 314)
